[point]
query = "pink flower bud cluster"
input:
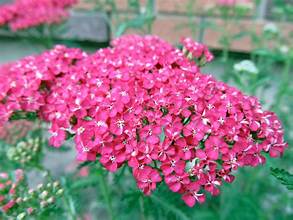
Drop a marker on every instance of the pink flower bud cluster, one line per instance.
(22, 14)
(8, 189)
(142, 102)
(196, 50)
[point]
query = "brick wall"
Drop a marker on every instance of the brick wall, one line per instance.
(177, 18)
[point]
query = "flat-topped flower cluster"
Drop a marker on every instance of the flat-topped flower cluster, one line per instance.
(145, 103)
(22, 14)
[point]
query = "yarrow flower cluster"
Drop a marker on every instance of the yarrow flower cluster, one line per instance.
(18, 201)
(144, 103)
(22, 14)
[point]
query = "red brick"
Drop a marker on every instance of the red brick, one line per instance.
(172, 28)
(212, 37)
(196, 7)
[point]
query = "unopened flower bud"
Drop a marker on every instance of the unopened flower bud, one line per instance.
(51, 200)
(56, 184)
(40, 186)
(30, 210)
(18, 200)
(3, 175)
(21, 216)
(44, 194)
(45, 174)
(43, 204)
(60, 192)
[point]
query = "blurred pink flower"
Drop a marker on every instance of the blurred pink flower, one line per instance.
(22, 14)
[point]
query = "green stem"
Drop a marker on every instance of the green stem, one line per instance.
(142, 209)
(70, 210)
(284, 86)
(48, 41)
(68, 203)
(104, 189)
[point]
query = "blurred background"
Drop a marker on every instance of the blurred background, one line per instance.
(253, 46)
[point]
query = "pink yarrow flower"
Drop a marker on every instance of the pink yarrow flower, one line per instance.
(145, 104)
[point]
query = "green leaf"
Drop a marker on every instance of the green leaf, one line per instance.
(169, 207)
(18, 115)
(88, 118)
(283, 176)
(87, 163)
(84, 183)
(69, 135)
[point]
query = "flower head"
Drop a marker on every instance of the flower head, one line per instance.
(144, 103)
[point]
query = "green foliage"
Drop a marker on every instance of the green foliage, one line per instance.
(142, 19)
(18, 115)
(283, 176)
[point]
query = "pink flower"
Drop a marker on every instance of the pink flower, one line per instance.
(164, 151)
(111, 159)
(118, 125)
(58, 135)
(30, 210)
(177, 182)
(8, 206)
(192, 196)
(185, 151)
(196, 129)
(151, 134)
(215, 146)
(197, 50)
(173, 130)
(147, 178)
(173, 165)
(211, 184)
